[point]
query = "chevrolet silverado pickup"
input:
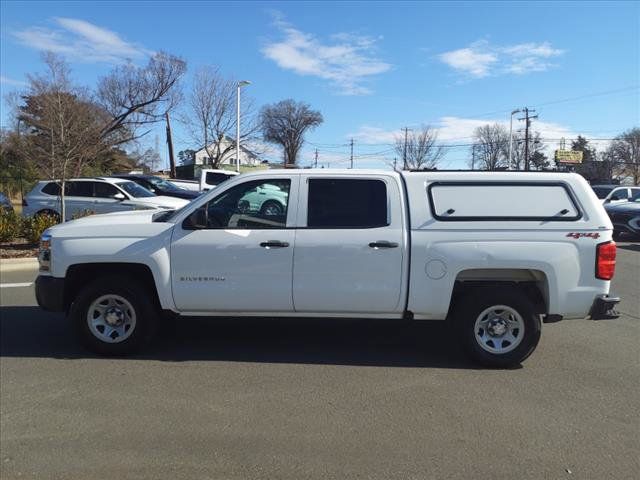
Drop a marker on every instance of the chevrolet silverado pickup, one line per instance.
(496, 254)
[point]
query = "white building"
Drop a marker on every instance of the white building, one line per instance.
(247, 157)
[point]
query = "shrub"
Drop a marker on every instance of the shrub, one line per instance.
(33, 227)
(82, 213)
(10, 226)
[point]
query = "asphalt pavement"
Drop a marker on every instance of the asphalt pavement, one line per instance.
(325, 399)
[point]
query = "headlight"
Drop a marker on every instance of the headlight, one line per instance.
(44, 253)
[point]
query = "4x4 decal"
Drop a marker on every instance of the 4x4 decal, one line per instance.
(577, 235)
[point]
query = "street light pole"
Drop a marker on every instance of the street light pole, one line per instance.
(511, 136)
(241, 84)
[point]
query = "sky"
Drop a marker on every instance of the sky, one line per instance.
(370, 68)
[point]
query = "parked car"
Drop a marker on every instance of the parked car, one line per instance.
(159, 186)
(625, 217)
(614, 193)
(5, 203)
(495, 253)
(191, 185)
(99, 195)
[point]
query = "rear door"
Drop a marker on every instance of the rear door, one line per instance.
(78, 197)
(349, 245)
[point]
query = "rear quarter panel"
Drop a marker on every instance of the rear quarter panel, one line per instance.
(562, 251)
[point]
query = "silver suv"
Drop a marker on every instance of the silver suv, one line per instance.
(98, 195)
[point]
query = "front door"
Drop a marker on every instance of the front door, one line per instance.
(235, 253)
(350, 247)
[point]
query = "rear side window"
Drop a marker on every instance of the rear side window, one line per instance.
(213, 178)
(489, 201)
(78, 189)
(51, 189)
(346, 203)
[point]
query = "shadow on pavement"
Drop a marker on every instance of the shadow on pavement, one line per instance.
(635, 247)
(31, 332)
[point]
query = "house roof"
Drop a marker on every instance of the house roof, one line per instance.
(226, 138)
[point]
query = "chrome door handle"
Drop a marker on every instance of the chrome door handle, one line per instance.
(383, 244)
(274, 244)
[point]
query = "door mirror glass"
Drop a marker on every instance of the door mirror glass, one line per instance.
(119, 196)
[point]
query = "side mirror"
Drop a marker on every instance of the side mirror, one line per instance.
(197, 220)
(119, 196)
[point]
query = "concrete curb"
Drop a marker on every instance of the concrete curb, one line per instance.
(18, 264)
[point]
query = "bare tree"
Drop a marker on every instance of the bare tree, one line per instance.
(65, 125)
(421, 148)
(625, 152)
(537, 158)
(491, 144)
(138, 96)
(285, 123)
(210, 114)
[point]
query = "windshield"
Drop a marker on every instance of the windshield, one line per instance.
(602, 192)
(164, 184)
(135, 190)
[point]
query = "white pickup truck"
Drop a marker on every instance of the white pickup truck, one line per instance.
(209, 178)
(496, 254)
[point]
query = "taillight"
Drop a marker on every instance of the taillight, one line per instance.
(605, 260)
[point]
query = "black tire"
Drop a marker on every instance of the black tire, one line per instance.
(273, 206)
(141, 301)
(477, 301)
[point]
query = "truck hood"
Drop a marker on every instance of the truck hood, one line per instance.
(129, 224)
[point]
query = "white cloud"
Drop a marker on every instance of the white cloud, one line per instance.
(81, 40)
(10, 81)
(347, 61)
(481, 59)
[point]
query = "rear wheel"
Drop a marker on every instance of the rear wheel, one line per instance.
(498, 326)
(113, 316)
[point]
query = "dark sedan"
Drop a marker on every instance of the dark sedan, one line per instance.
(625, 217)
(160, 186)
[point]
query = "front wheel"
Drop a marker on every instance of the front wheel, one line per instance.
(498, 327)
(113, 316)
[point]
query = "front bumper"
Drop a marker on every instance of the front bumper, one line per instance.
(50, 293)
(603, 308)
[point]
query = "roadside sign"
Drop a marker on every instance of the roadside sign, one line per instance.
(568, 156)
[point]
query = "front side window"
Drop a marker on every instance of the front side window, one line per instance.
(252, 205)
(346, 203)
(105, 190)
(135, 190)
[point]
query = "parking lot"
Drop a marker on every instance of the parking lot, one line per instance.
(296, 398)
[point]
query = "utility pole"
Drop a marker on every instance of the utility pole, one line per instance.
(352, 153)
(395, 164)
(153, 159)
(404, 155)
(315, 165)
(527, 119)
(473, 156)
(172, 160)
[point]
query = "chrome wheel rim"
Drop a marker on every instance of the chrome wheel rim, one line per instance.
(111, 318)
(499, 329)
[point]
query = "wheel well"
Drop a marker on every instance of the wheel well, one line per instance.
(82, 274)
(533, 283)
